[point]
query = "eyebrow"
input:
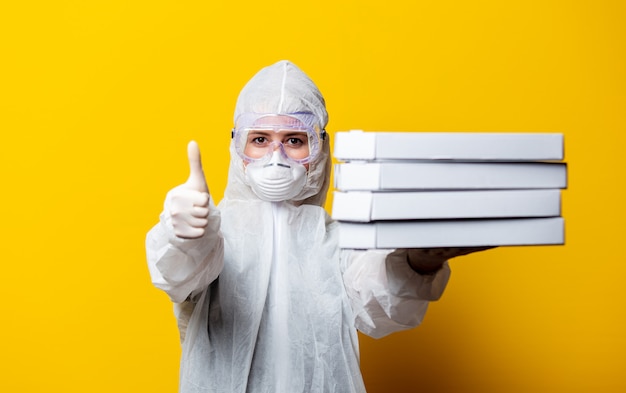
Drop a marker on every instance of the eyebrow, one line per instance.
(296, 133)
(260, 132)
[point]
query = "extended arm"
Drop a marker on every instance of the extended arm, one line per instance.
(182, 267)
(386, 294)
(185, 249)
(390, 289)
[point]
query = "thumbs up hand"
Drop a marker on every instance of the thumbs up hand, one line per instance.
(188, 203)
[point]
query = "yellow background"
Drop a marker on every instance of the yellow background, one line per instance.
(99, 98)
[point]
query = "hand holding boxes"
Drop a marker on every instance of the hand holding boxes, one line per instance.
(419, 190)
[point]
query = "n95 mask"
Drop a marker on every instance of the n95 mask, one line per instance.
(276, 181)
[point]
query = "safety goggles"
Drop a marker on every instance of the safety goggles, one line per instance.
(296, 136)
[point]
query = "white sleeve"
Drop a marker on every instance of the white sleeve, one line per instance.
(183, 267)
(385, 293)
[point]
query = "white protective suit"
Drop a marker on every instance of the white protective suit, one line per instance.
(268, 300)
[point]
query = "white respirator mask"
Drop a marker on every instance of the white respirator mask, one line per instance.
(277, 180)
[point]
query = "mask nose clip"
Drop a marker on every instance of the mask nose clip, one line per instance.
(278, 152)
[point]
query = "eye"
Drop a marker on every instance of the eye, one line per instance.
(259, 140)
(295, 141)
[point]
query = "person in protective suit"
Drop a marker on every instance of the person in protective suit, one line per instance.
(265, 299)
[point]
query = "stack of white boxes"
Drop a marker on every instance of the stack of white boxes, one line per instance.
(420, 190)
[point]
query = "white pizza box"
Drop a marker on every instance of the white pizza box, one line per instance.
(482, 146)
(365, 206)
(448, 175)
(452, 233)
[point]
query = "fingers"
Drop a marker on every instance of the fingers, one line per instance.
(186, 198)
(185, 224)
(196, 180)
(444, 252)
(456, 252)
(199, 212)
(189, 212)
(190, 223)
(189, 232)
(189, 201)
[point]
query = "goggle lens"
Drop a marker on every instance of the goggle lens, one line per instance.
(257, 138)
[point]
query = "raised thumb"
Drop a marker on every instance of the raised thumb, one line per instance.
(196, 180)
